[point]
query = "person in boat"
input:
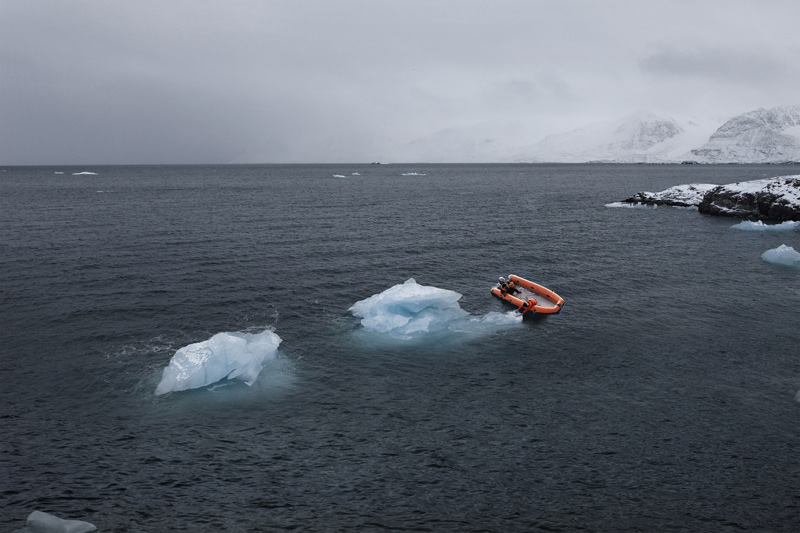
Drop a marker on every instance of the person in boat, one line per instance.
(508, 287)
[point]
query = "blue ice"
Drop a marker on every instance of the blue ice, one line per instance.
(39, 522)
(410, 310)
(233, 355)
(782, 255)
(627, 205)
(747, 225)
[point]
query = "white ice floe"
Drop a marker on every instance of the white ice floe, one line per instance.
(413, 174)
(84, 173)
(411, 310)
(782, 255)
(747, 225)
(233, 355)
(626, 205)
(339, 176)
(39, 522)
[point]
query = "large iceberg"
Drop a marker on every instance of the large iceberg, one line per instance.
(410, 310)
(39, 522)
(233, 355)
(782, 255)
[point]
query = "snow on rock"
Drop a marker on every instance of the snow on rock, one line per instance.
(234, 355)
(678, 196)
(39, 522)
(765, 199)
(782, 255)
(768, 199)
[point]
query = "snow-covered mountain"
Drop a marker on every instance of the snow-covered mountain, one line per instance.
(760, 136)
(641, 137)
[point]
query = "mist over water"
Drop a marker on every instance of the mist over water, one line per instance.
(662, 396)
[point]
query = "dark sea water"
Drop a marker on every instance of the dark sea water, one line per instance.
(662, 398)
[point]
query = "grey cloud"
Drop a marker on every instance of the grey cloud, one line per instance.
(108, 81)
(726, 64)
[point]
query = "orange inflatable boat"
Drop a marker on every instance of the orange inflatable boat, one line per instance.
(527, 296)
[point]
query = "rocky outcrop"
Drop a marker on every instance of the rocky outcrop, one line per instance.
(678, 196)
(775, 199)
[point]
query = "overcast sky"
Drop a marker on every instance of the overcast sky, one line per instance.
(213, 81)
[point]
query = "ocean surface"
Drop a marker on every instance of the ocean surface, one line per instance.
(662, 397)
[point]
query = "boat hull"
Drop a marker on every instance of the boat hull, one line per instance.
(531, 297)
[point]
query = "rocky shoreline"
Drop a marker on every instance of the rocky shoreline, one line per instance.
(773, 199)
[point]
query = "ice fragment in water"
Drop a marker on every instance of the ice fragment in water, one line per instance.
(39, 522)
(782, 255)
(411, 310)
(225, 355)
(747, 225)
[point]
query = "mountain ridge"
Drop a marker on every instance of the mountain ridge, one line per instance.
(760, 136)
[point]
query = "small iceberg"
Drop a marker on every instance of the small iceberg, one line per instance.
(782, 255)
(339, 176)
(39, 522)
(233, 355)
(84, 173)
(413, 174)
(632, 206)
(410, 310)
(747, 225)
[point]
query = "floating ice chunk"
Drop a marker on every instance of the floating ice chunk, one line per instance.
(39, 522)
(747, 225)
(632, 205)
(224, 356)
(339, 176)
(411, 310)
(782, 255)
(413, 174)
(84, 173)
